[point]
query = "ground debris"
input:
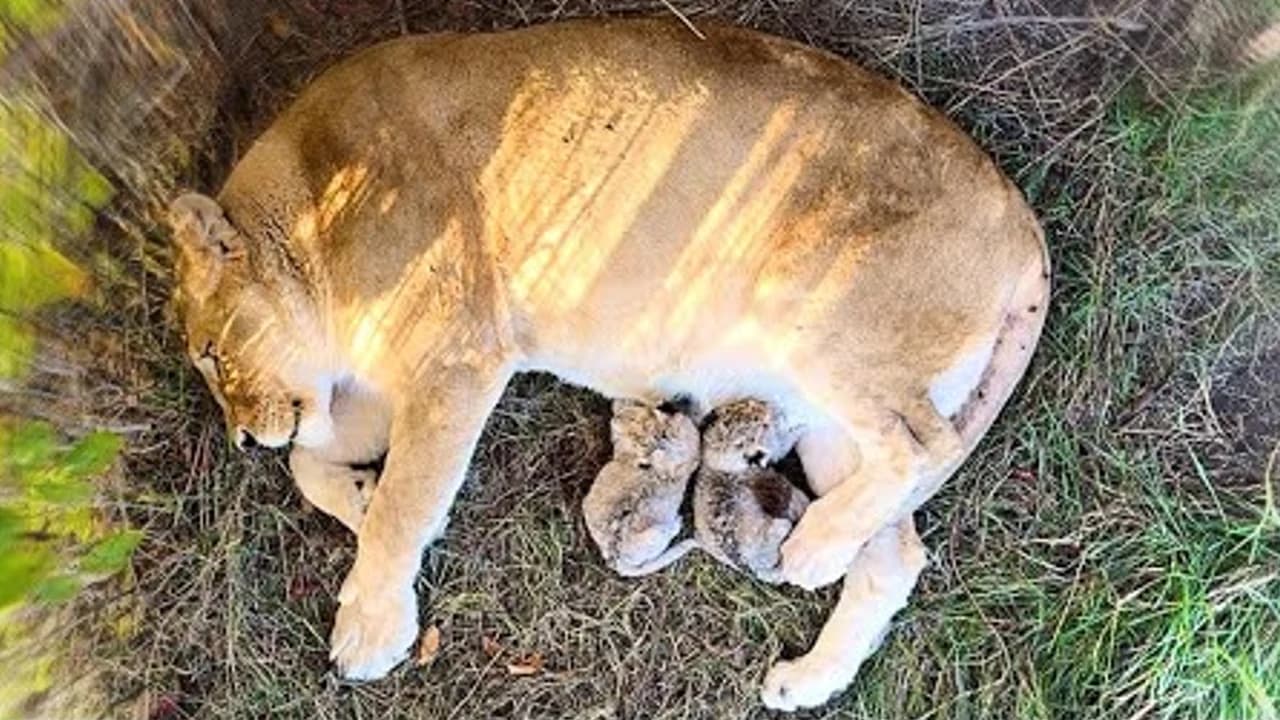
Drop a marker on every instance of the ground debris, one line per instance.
(428, 647)
(530, 664)
(491, 648)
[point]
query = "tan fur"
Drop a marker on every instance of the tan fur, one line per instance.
(640, 211)
(337, 477)
(746, 433)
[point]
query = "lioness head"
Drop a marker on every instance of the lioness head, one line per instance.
(251, 329)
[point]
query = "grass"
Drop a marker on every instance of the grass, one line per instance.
(1112, 550)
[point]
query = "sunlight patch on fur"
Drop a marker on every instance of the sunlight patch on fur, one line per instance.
(387, 320)
(349, 186)
(560, 262)
(737, 228)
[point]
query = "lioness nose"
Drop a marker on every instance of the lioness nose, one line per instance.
(244, 440)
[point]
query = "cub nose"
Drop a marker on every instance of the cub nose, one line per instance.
(757, 458)
(245, 440)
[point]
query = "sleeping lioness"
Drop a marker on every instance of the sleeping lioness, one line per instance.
(644, 212)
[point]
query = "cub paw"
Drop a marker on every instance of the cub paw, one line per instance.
(375, 626)
(365, 481)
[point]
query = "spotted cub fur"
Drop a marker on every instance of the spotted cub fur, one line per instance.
(633, 508)
(743, 510)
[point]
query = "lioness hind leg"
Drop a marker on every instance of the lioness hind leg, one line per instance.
(867, 472)
(1015, 343)
(875, 589)
(936, 443)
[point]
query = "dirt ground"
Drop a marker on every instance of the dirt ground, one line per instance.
(1110, 550)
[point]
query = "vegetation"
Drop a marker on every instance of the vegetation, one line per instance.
(52, 540)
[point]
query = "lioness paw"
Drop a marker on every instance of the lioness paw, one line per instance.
(374, 629)
(815, 555)
(794, 684)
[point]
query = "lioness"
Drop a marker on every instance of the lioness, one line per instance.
(644, 212)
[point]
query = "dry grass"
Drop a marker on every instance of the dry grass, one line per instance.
(1109, 552)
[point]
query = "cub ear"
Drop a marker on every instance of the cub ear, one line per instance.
(206, 241)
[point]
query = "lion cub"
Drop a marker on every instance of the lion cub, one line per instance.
(742, 509)
(633, 508)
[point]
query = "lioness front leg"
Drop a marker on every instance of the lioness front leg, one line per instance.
(866, 474)
(876, 587)
(433, 434)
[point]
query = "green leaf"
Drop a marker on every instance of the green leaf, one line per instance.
(92, 189)
(30, 445)
(111, 554)
(23, 12)
(57, 487)
(33, 275)
(58, 588)
(21, 569)
(10, 525)
(92, 455)
(76, 522)
(17, 346)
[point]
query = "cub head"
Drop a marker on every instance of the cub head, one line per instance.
(745, 434)
(654, 440)
(251, 328)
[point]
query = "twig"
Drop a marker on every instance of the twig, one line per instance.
(404, 24)
(684, 20)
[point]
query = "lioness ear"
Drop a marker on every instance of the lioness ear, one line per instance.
(206, 242)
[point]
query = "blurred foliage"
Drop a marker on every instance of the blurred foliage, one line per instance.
(53, 541)
(28, 16)
(47, 191)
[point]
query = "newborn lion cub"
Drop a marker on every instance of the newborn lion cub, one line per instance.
(742, 509)
(633, 507)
